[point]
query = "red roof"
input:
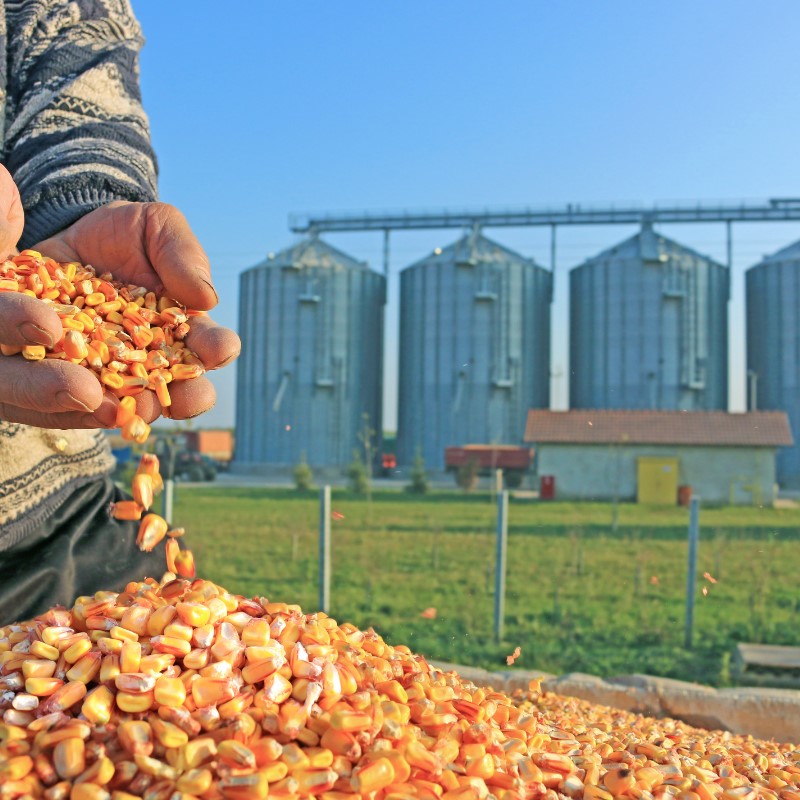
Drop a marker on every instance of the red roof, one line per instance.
(719, 428)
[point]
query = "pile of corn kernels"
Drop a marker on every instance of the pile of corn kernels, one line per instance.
(176, 690)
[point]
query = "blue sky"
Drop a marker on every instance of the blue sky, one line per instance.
(265, 108)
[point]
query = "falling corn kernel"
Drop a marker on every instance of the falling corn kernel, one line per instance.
(152, 530)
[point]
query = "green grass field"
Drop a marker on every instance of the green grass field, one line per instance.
(579, 597)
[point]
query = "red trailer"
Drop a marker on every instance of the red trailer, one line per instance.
(513, 460)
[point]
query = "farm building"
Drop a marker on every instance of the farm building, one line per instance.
(648, 455)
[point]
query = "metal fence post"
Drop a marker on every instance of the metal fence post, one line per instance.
(500, 565)
(325, 549)
(166, 503)
(691, 577)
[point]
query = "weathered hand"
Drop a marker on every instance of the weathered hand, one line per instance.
(147, 244)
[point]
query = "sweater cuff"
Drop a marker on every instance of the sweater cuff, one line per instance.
(59, 211)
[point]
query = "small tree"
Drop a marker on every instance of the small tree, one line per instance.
(357, 476)
(367, 438)
(419, 483)
(303, 476)
(467, 475)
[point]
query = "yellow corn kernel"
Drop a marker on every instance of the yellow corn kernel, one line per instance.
(195, 781)
(33, 352)
(126, 411)
(98, 705)
(136, 736)
(77, 650)
(162, 392)
(198, 751)
(42, 650)
(65, 697)
(177, 630)
(212, 691)
(171, 736)
(69, 757)
(16, 768)
(619, 781)
(39, 668)
(159, 620)
(74, 345)
(393, 690)
(156, 663)
(135, 429)
(135, 703)
(42, 687)
(142, 487)
(86, 668)
(236, 755)
(373, 777)
(184, 563)
(99, 773)
(152, 530)
(130, 656)
(194, 614)
(114, 381)
(167, 644)
(127, 510)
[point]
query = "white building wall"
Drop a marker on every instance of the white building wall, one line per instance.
(600, 472)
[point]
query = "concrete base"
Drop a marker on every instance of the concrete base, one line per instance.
(763, 713)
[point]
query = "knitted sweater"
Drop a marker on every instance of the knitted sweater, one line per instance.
(74, 137)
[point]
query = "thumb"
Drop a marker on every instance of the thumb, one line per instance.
(12, 217)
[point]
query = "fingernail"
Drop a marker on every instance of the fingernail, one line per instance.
(106, 414)
(227, 361)
(67, 401)
(33, 333)
(209, 284)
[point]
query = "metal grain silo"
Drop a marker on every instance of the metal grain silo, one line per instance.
(474, 348)
(649, 328)
(773, 347)
(311, 323)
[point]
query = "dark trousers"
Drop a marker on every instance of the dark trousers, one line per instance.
(80, 550)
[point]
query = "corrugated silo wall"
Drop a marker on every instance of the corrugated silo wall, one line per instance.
(311, 364)
(470, 365)
(773, 351)
(630, 322)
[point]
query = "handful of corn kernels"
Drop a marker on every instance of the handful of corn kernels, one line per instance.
(133, 341)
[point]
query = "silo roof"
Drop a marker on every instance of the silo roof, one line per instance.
(475, 248)
(789, 253)
(311, 252)
(636, 245)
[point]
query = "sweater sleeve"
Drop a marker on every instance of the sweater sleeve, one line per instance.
(76, 136)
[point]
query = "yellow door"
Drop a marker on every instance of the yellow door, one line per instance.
(657, 481)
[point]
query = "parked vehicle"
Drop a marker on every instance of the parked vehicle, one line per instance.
(514, 461)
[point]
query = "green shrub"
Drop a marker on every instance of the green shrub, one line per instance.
(419, 483)
(303, 476)
(357, 476)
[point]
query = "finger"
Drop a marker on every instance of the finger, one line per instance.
(48, 386)
(102, 417)
(12, 217)
(147, 406)
(24, 320)
(191, 398)
(214, 345)
(178, 258)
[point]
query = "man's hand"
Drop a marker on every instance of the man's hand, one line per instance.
(146, 244)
